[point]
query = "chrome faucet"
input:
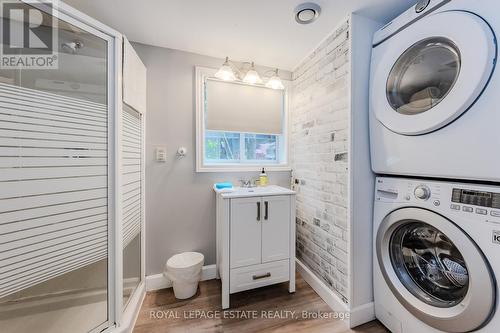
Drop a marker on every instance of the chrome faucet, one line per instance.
(248, 183)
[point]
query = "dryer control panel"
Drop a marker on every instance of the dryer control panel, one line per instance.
(421, 9)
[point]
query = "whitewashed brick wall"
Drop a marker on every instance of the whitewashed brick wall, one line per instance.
(319, 141)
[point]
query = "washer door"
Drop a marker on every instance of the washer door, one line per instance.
(430, 73)
(435, 270)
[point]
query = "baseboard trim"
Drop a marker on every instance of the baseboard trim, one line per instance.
(357, 316)
(333, 301)
(159, 281)
(362, 314)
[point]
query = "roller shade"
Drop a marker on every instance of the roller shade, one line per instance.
(131, 166)
(235, 107)
(53, 186)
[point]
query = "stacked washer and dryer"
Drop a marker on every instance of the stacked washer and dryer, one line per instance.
(435, 142)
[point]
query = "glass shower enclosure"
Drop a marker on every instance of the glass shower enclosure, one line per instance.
(62, 241)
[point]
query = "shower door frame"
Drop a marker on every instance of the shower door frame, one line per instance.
(114, 41)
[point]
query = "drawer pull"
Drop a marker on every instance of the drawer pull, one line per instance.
(263, 276)
(258, 211)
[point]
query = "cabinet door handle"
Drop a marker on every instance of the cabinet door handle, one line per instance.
(263, 276)
(266, 214)
(258, 211)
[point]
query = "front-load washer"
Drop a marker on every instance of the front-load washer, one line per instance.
(436, 249)
(435, 92)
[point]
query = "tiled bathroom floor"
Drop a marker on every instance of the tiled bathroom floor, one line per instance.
(161, 312)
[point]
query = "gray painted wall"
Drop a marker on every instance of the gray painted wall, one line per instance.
(180, 204)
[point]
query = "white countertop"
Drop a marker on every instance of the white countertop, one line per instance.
(245, 192)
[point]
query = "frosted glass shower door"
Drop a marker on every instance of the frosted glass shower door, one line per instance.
(56, 173)
(131, 199)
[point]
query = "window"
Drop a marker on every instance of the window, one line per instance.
(239, 127)
(229, 147)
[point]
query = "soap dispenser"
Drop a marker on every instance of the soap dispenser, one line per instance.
(263, 181)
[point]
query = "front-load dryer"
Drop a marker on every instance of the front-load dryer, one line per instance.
(435, 92)
(436, 249)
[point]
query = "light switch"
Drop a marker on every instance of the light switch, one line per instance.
(161, 154)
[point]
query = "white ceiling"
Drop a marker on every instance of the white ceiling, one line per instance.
(263, 31)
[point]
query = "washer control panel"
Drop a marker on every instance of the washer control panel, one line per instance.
(390, 189)
(476, 198)
(478, 201)
(422, 192)
(475, 201)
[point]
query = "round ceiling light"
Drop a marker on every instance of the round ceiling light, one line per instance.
(307, 12)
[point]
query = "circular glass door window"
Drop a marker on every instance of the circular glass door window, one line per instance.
(423, 75)
(428, 264)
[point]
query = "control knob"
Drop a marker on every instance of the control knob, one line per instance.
(421, 6)
(422, 192)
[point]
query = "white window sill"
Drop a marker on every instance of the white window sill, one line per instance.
(242, 168)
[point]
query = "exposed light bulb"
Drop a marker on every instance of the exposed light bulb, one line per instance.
(225, 72)
(252, 77)
(275, 82)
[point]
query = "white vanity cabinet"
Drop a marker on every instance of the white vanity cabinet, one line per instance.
(255, 239)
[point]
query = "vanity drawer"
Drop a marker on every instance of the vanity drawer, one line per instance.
(256, 276)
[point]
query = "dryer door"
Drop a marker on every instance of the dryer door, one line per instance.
(427, 75)
(435, 270)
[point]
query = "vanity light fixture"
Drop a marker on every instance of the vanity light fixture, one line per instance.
(229, 72)
(252, 77)
(226, 72)
(275, 81)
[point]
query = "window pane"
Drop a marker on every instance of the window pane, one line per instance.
(260, 147)
(222, 146)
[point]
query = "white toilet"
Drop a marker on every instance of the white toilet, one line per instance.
(184, 270)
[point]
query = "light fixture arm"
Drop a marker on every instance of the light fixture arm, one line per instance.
(238, 71)
(270, 73)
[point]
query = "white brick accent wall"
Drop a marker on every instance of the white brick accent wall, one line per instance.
(319, 157)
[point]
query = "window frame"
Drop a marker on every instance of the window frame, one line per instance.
(201, 75)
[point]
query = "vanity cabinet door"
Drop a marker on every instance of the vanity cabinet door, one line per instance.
(245, 232)
(275, 228)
